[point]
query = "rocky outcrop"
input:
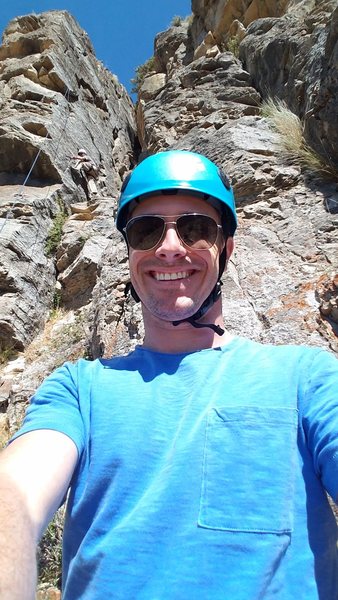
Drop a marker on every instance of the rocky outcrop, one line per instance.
(53, 87)
(27, 274)
(203, 94)
(290, 50)
(285, 244)
(226, 19)
(294, 58)
(55, 97)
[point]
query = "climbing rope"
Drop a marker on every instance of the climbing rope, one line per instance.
(66, 96)
(20, 194)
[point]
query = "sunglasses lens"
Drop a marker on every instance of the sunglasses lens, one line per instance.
(144, 233)
(197, 231)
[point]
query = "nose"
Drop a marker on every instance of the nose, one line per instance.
(171, 247)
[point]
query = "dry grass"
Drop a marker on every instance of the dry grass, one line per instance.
(7, 354)
(63, 338)
(293, 144)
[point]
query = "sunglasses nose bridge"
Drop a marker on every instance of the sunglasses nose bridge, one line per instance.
(170, 237)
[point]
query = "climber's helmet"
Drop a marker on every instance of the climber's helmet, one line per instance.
(178, 171)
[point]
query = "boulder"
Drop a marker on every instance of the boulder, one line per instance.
(79, 278)
(152, 85)
(168, 43)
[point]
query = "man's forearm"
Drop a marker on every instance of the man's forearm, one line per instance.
(17, 547)
(35, 471)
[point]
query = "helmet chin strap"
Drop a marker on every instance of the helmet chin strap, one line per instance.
(208, 302)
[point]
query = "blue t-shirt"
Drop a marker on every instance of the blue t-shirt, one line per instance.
(200, 475)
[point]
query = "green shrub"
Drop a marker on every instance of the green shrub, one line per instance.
(7, 354)
(140, 73)
(233, 45)
(55, 233)
(176, 21)
(50, 551)
(56, 310)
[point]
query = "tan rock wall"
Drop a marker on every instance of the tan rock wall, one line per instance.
(219, 15)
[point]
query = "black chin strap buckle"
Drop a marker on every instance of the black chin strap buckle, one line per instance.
(216, 328)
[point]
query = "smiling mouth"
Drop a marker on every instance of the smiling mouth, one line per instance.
(171, 276)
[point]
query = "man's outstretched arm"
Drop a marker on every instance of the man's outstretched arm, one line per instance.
(35, 471)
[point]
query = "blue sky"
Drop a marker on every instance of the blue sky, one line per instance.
(122, 31)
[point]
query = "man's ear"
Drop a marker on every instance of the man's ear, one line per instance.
(229, 247)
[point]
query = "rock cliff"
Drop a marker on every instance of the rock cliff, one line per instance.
(55, 96)
(209, 100)
(63, 268)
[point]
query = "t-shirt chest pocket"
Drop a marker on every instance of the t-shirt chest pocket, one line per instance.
(248, 470)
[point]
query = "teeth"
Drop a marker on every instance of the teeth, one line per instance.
(171, 276)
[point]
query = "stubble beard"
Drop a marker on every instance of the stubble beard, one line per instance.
(166, 310)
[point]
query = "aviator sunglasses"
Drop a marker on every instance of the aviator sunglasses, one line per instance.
(194, 230)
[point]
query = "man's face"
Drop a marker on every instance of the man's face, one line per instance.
(173, 280)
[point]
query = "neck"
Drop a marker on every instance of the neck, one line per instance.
(163, 336)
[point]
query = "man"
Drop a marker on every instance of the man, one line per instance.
(85, 170)
(197, 463)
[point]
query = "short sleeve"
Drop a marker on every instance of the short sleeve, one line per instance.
(55, 405)
(320, 417)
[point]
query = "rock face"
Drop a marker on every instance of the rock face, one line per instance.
(219, 15)
(55, 97)
(26, 273)
(294, 58)
(63, 268)
(286, 243)
(290, 50)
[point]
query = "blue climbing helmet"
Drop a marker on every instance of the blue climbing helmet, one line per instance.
(177, 171)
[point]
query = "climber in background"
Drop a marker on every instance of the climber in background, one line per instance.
(85, 172)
